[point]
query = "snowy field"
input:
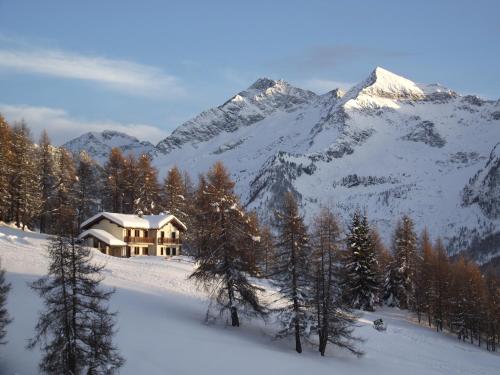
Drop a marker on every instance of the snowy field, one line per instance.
(162, 331)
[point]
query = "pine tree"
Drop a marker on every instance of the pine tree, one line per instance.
(225, 262)
(361, 273)
(334, 321)
(113, 192)
(87, 188)
(148, 196)
(45, 154)
(4, 315)
(290, 271)
(75, 329)
(400, 286)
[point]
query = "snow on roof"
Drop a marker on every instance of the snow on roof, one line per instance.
(104, 236)
(135, 221)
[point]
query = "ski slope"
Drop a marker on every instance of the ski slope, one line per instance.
(162, 330)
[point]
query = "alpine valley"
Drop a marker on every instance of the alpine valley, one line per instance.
(388, 145)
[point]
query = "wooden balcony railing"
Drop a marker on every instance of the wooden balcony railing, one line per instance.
(140, 239)
(168, 241)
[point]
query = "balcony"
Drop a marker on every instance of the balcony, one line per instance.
(169, 241)
(139, 240)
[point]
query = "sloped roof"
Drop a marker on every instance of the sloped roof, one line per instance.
(135, 221)
(104, 236)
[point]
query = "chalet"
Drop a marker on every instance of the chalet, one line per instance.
(126, 235)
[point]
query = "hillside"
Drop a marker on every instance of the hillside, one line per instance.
(389, 145)
(161, 329)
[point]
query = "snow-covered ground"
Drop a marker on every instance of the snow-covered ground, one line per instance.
(162, 331)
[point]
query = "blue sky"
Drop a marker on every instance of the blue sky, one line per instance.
(144, 67)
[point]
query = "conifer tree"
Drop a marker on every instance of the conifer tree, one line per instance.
(361, 273)
(75, 329)
(4, 314)
(334, 321)
(224, 262)
(114, 183)
(290, 271)
(423, 277)
(173, 194)
(130, 185)
(200, 232)
(148, 194)
(400, 285)
(266, 250)
(45, 154)
(440, 285)
(87, 187)
(5, 167)
(492, 317)
(24, 184)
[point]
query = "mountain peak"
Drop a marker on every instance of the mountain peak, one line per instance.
(263, 84)
(381, 89)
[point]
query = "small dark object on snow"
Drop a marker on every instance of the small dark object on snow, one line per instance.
(379, 325)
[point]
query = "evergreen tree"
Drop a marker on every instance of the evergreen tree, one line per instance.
(361, 274)
(113, 191)
(75, 329)
(492, 318)
(384, 260)
(266, 251)
(148, 195)
(200, 232)
(400, 286)
(224, 262)
(174, 193)
(4, 315)
(290, 271)
(87, 188)
(334, 321)
(423, 277)
(45, 154)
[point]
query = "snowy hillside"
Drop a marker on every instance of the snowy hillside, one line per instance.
(161, 329)
(99, 145)
(388, 144)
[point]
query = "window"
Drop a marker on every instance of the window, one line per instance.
(162, 234)
(173, 235)
(145, 233)
(161, 250)
(174, 250)
(168, 250)
(137, 233)
(129, 233)
(144, 251)
(136, 250)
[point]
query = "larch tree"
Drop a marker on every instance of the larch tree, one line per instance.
(114, 182)
(173, 194)
(423, 277)
(5, 167)
(75, 329)
(334, 320)
(361, 280)
(440, 285)
(130, 185)
(4, 314)
(224, 263)
(24, 184)
(45, 154)
(267, 250)
(290, 272)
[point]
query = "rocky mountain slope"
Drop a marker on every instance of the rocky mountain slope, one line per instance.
(388, 145)
(99, 145)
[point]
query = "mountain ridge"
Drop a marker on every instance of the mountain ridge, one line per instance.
(388, 144)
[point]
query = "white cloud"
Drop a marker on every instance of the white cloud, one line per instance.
(119, 75)
(62, 127)
(322, 86)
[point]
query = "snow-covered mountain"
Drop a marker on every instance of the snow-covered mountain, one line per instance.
(388, 145)
(99, 145)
